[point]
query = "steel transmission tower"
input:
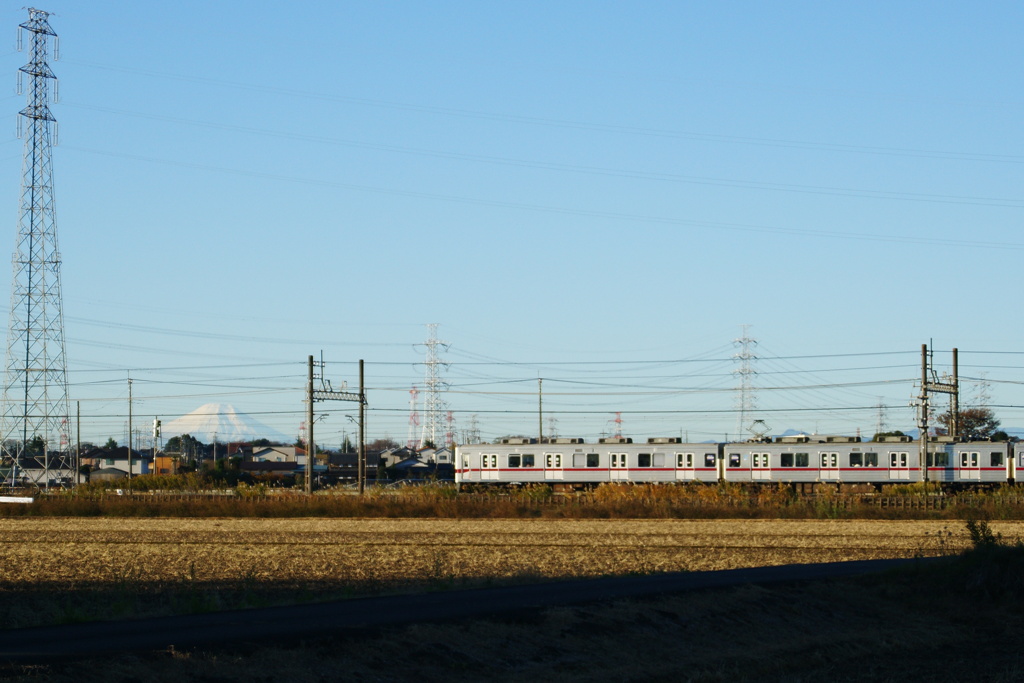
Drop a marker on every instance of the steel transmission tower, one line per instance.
(414, 420)
(745, 401)
(435, 408)
(35, 398)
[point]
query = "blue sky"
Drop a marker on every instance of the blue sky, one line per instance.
(597, 194)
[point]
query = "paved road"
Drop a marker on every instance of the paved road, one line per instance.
(276, 623)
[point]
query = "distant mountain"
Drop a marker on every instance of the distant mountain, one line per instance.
(222, 421)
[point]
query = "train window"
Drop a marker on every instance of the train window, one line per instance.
(940, 459)
(787, 459)
(997, 460)
(659, 460)
(465, 462)
(494, 461)
(528, 460)
(643, 460)
(709, 460)
(554, 460)
(684, 459)
(871, 460)
(513, 460)
(593, 459)
(856, 460)
(734, 460)
(802, 459)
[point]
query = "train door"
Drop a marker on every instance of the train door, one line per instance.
(828, 469)
(619, 471)
(488, 467)
(970, 467)
(899, 466)
(760, 469)
(553, 466)
(685, 470)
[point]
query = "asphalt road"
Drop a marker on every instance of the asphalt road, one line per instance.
(298, 621)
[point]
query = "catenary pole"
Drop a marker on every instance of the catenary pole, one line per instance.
(310, 448)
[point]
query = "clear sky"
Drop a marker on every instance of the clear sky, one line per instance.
(599, 194)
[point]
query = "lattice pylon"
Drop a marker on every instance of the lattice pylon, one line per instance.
(35, 429)
(435, 407)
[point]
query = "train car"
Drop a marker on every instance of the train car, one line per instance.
(803, 461)
(812, 460)
(571, 462)
(848, 460)
(973, 463)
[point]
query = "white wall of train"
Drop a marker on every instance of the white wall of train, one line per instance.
(803, 461)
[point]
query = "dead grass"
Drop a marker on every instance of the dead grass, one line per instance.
(72, 569)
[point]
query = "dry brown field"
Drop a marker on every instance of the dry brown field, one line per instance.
(72, 551)
(897, 627)
(69, 569)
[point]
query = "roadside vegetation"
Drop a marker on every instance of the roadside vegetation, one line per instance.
(192, 495)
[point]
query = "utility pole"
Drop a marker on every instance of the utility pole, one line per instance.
(129, 427)
(540, 410)
(362, 429)
(922, 423)
(310, 448)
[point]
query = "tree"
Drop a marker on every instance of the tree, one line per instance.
(975, 423)
(880, 435)
(379, 445)
(111, 444)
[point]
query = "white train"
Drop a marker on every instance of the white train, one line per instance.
(571, 463)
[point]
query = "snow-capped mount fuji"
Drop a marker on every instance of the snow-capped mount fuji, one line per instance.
(222, 421)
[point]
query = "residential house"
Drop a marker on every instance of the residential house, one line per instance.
(117, 458)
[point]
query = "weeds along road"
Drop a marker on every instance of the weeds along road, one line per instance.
(293, 623)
